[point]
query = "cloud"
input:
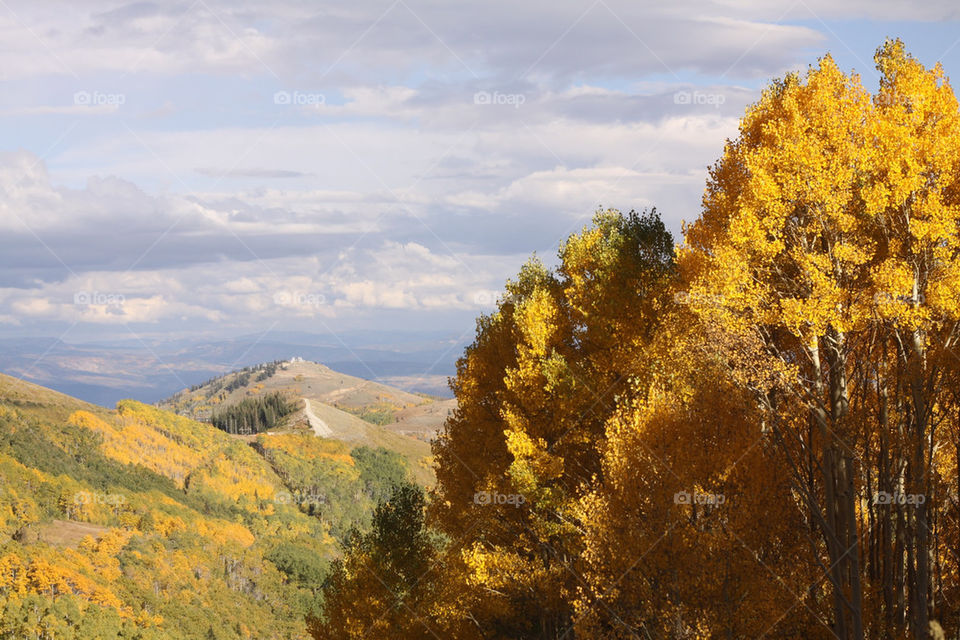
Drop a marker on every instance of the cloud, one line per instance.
(73, 109)
(51, 232)
(536, 39)
(252, 173)
(392, 276)
(886, 10)
(493, 190)
(422, 155)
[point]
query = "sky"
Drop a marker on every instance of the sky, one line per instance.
(212, 168)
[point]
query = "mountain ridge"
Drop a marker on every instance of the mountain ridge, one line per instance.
(341, 396)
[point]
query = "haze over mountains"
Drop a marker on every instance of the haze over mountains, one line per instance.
(106, 371)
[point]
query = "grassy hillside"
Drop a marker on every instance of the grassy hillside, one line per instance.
(137, 523)
(353, 410)
(400, 412)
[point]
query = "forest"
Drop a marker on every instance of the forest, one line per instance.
(253, 415)
(178, 520)
(754, 432)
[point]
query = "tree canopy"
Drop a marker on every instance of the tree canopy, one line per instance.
(755, 435)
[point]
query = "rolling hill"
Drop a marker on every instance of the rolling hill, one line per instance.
(138, 523)
(354, 409)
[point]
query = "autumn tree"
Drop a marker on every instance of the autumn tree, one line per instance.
(534, 392)
(824, 268)
(382, 586)
(796, 368)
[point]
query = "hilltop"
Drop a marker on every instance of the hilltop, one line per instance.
(354, 409)
(137, 523)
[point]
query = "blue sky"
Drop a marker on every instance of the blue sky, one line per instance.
(214, 168)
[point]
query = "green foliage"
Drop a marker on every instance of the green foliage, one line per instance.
(167, 555)
(253, 415)
(380, 471)
(65, 618)
(380, 576)
(240, 378)
(299, 563)
(74, 452)
(326, 480)
(398, 535)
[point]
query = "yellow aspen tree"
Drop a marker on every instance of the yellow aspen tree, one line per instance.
(824, 268)
(691, 530)
(913, 197)
(502, 557)
(564, 347)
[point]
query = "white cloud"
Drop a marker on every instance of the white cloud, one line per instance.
(202, 202)
(289, 38)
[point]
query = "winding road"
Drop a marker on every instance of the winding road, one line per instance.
(319, 426)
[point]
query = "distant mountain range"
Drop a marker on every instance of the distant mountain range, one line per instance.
(149, 371)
